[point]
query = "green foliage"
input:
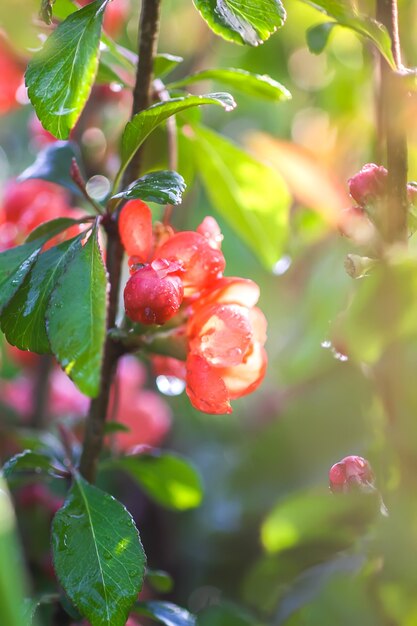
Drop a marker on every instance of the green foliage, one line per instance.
(242, 22)
(225, 614)
(318, 36)
(165, 613)
(247, 193)
(15, 264)
(306, 520)
(59, 77)
(76, 316)
(161, 187)
(164, 64)
(53, 164)
(168, 479)
(251, 84)
(29, 461)
(143, 123)
(159, 580)
(12, 585)
(344, 15)
(98, 555)
(24, 319)
(383, 310)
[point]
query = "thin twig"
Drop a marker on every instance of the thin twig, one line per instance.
(94, 433)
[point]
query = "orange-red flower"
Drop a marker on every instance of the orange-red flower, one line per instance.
(225, 331)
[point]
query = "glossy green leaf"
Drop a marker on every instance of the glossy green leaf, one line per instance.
(76, 316)
(367, 27)
(12, 583)
(163, 187)
(159, 580)
(257, 85)
(165, 613)
(318, 36)
(15, 264)
(168, 479)
(141, 126)
(241, 21)
(53, 164)
(318, 518)
(59, 77)
(98, 556)
(28, 461)
(24, 319)
(52, 228)
(248, 194)
(165, 63)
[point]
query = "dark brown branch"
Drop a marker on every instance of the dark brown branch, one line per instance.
(392, 126)
(142, 95)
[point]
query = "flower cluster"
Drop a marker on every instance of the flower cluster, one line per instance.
(28, 204)
(178, 278)
(11, 76)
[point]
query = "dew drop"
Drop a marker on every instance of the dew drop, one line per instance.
(170, 385)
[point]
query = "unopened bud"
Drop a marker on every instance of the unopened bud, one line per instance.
(369, 184)
(358, 266)
(350, 474)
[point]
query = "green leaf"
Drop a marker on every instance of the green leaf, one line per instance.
(306, 519)
(52, 228)
(12, 583)
(241, 21)
(318, 36)
(342, 12)
(260, 86)
(76, 316)
(141, 126)
(59, 77)
(98, 556)
(24, 319)
(15, 264)
(168, 479)
(115, 427)
(163, 187)
(28, 461)
(165, 63)
(248, 194)
(53, 164)
(165, 613)
(160, 581)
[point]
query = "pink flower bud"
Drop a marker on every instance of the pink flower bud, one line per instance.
(368, 184)
(350, 473)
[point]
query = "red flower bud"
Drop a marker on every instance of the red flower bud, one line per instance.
(153, 294)
(368, 184)
(350, 473)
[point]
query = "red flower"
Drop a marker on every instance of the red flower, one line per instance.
(30, 203)
(11, 77)
(225, 331)
(226, 337)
